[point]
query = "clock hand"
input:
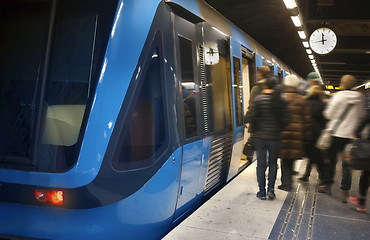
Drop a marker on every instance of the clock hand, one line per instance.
(321, 41)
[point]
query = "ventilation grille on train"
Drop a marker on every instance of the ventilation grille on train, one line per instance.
(203, 88)
(219, 161)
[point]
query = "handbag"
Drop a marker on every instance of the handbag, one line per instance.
(325, 138)
(249, 147)
(357, 154)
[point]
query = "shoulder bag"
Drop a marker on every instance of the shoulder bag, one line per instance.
(357, 154)
(324, 141)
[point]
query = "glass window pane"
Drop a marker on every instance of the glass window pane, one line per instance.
(44, 92)
(189, 90)
(143, 136)
(238, 92)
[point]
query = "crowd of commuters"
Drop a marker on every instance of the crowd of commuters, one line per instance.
(286, 121)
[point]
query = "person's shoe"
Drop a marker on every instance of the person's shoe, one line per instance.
(324, 189)
(355, 203)
(271, 195)
(345, 195)
(303, 179)
(284, 188)
(261, 195)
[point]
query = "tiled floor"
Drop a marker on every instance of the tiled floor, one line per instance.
(235, 213)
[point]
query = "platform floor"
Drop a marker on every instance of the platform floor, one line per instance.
(236, 213)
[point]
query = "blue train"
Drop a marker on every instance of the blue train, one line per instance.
(118, 117)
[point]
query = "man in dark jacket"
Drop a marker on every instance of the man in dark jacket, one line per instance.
(269, 114)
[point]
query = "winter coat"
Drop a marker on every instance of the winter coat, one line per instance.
(335, 108)
(318, 120)
(266, 124)
(256, 91)
(297, 134)
(363, 124)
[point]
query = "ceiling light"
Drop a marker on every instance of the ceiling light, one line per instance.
(305, 44)
(290, 4)
(311, 56)
(313, 61)
(367, 51)
(296, 21)
(308, 51)
(302, 34)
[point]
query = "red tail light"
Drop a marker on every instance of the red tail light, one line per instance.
(55, 197)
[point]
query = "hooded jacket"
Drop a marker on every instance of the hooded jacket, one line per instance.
(335, 108)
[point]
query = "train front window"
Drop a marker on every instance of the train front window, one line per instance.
(52, 52)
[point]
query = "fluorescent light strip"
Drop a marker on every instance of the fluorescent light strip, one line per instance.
(308, 51)
(302, 34)
(305, 44)
(296, 21)
(311, 56)
(290, 4)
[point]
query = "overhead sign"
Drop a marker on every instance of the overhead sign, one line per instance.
(331, 87)
(367, 85)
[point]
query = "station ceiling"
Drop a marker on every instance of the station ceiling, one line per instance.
(269, 23)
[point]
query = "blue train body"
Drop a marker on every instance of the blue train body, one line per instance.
(151, 144)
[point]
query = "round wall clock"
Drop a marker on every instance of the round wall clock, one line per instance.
(323, 40)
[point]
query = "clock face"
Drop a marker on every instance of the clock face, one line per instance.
(323, 40)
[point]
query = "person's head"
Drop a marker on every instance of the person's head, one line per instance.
(348, 81)
(263, 72)
(315, 90)
(291, 81)
(313, 78)
(270, 83)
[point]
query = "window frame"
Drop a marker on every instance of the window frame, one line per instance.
(132, 96)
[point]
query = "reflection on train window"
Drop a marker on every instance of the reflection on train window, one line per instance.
(143, 136)
(189, 91)
(238, 92)
(54, 52)
(219, 87)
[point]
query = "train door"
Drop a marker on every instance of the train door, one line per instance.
(248, 79)
(237, 96)
(187, 38)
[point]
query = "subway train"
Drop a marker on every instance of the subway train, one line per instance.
(118, 118)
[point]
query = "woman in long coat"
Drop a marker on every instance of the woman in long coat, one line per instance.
(297, 134)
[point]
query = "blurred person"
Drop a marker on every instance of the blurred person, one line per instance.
(315, 97)
(269, 114)
(263, 73)
(312, 79)
(359, 203)
(345, 100)
(298, 132)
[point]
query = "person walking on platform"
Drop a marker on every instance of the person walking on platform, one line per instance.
(346, 108)
(359, 203)
(315, 97)
(269, 114)
(263, 73)
(297, 134)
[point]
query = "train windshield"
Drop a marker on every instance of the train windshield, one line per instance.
(51, 55)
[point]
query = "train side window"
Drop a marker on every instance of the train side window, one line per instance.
(238, 92)
(142, 139)
(189, 91)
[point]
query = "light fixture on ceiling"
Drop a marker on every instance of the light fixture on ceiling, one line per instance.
(306, 44)
(310, 56)
(290, 4)
(296, 21)
(313, 61)
(308, 51)
(302, 34)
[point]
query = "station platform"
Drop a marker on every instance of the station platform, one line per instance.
(236, 213)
